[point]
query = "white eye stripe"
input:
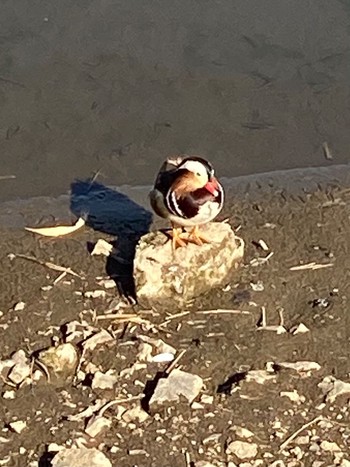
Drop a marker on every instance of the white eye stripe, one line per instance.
(196, 167)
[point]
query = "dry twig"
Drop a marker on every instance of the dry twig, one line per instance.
(313, 266)
(49, 265)
(296, 433)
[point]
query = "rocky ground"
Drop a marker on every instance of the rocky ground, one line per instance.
(261, 369)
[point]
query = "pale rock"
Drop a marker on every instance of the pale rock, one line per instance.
(242, 449)
(161, 273)
(99, 293)
(305, 439)
(102, 248)
(203, 464)
(19, 306)
(213, 438)
(178, 383)
(144, 352)
(159, 344)
(300, 329)
(61, 360)
(259, 376)
(101, 337)
(197, 406)
(97, 425)
(6, 364)
(300, 367)
(332, 388)
(135, 414)
(104, 380)
(297, 452)
(22, 450)
(19, 372)
(9, 394)
(37, 375)
(292, 395)
(243, 432)
(107, 283)
(165, 357)
(329, 446)
(54, 447)
(207, 399)
(19, 357)
(277, 463)
(314, 447)
(80, 457)
(345, 463)
(18, 426)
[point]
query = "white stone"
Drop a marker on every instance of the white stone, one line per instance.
(242, 449)
(329, 446)
(161, 273)
(300, 367)
(292, 395)
(243, 432)
(19, 306)
(104, 380)
(101, 337)
(333, 388)
(135, 414)
(97, 425)
(80, 457)
(18, 426)
(178, 383)
(61, 359)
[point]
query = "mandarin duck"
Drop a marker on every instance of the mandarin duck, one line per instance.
(187, 193)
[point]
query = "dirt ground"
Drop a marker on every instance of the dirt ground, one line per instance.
(220, 348)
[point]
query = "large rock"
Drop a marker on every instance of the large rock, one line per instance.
(160, 273)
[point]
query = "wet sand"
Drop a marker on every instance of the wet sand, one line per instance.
(115, 86)
(301, 222)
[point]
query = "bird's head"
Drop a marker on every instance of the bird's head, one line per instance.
(196, 173)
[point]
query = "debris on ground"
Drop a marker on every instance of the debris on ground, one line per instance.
(333, 387)
(242, 449)
(160, 275)
(178, 383)
(80, 457)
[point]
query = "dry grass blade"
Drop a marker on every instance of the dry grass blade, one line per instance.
(168, 319)
(175, 362)
(223, 312)
(7, 177)
(296, 433)
(188, 459)
(313, 266)
(279, 329)
(43, 367)
(118, 401)
(59, 230)
(46, 264)
(327, 152)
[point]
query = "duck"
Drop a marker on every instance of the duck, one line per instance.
(187, 193)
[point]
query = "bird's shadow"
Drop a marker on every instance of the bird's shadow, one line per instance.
(112, 212)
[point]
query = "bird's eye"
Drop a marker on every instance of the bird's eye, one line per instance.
(198, 174)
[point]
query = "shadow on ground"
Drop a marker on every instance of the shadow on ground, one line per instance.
(111, 212)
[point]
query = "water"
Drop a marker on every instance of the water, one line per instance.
(116, 86)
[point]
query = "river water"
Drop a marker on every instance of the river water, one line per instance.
(115, 86)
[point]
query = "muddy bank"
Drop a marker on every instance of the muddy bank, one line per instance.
(300, 226)
(116, 86)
